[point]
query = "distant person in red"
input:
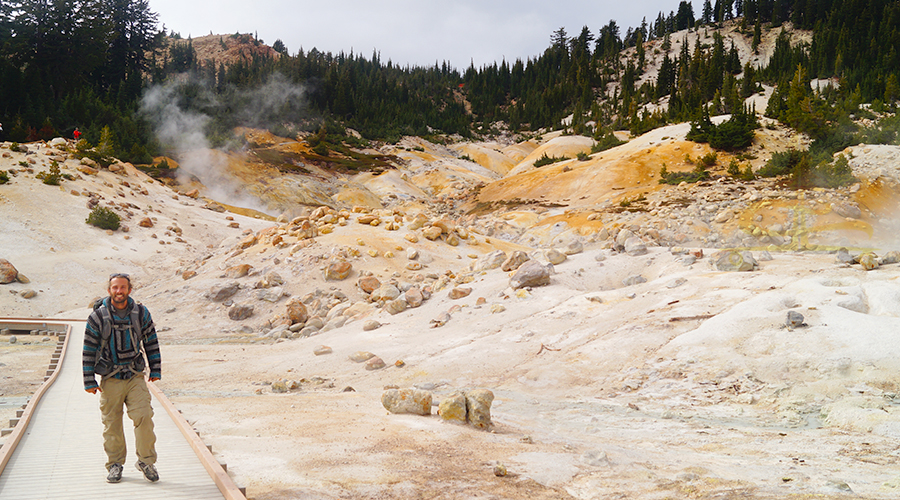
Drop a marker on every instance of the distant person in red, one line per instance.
(77, 133)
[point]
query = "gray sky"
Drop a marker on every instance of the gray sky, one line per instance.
(406, 31)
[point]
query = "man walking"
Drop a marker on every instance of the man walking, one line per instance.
(115, 332)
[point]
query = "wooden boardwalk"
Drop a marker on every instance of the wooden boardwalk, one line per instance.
(59, 453)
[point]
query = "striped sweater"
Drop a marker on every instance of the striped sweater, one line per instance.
(92, 342)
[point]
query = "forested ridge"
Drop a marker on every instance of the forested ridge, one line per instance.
(87, 63)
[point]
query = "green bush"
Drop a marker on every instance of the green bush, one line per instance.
(547, 160)
(14, 147)
(53, 177)
(582, 156)
(782, 163)
(4, 177)
(709, 159)
(698, 174)
(104, 218)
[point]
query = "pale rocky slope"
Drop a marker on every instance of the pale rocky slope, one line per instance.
(684, 382)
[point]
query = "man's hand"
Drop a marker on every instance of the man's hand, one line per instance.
(93, 390)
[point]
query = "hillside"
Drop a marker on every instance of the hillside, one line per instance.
(646, 372)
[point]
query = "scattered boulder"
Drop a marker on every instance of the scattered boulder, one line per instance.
(514, 261)
(415, 401)
(868, 261)
(554, 256)
(490, 261)
(453, 408)
(414, 297)
(574, 247)
(322, 350)
(297, 312)
(247, 242)
(368, 284)
(146, 222)
(238, 271)
(634, 280)
(396, 306)
(240, 312)
(361, 356)
(478, 406)
(634, 246)
(734, 261)
(8, 272)
(279, 386)
(370, 325)
(843, 257)
(432, 233)
(28, 294)
(220, 293)
(847, 209)
(459, 292)
(384, 293)
(891, 257)
(531, 273)
(337, 271)
(375, 363)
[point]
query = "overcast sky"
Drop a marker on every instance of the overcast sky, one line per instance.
(409, 32)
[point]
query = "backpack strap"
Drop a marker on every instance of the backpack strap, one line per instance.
(137, 336)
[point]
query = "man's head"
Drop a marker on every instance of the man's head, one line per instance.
(119, 289)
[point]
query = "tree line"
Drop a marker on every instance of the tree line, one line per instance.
(86, 63)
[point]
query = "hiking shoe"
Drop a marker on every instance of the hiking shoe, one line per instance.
(149, 471)
(115, 473)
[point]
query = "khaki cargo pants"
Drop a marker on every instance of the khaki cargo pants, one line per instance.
(134, 395)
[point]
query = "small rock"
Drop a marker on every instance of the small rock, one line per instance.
(220, 293)
(396, 306)
(238, 271)
(297, 312)
(414, 297)
(575, 247)
(868, 261)
(794, 319)
(490, 261)
(459, 292)
(432, 233)
(554, 256)
(514, 261)
(279, 386)
(361, 356)
(531, 273)
(634, 246)
(733, 261)
(500, 470)
(28, 294)
(8, 273)
(337, 271)
(322, 350)
(371, 325)
(375, 363)
(497, 308)
(13, 339)
(634, 280)
(368, 284)
(240, 312)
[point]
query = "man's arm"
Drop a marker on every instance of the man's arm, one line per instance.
(89, 352)
(151, 345)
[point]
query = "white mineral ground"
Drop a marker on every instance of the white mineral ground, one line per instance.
(686, 385)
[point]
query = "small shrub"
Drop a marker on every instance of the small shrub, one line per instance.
(24, 164)
(698, 174)
(4, 177)
(14, 147)
(688, 159)
(103, 218)
(547, 160)
(734, 168)
(709, 159)
(582, 156)
(53, 177)
(782, 163)
(467, 158)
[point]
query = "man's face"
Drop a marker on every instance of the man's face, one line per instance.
(119, 288)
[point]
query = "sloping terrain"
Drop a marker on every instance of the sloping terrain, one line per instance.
(650, 374)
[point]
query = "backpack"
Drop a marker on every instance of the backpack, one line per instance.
(127, 343)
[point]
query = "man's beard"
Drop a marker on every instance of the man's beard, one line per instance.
(120, 299)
